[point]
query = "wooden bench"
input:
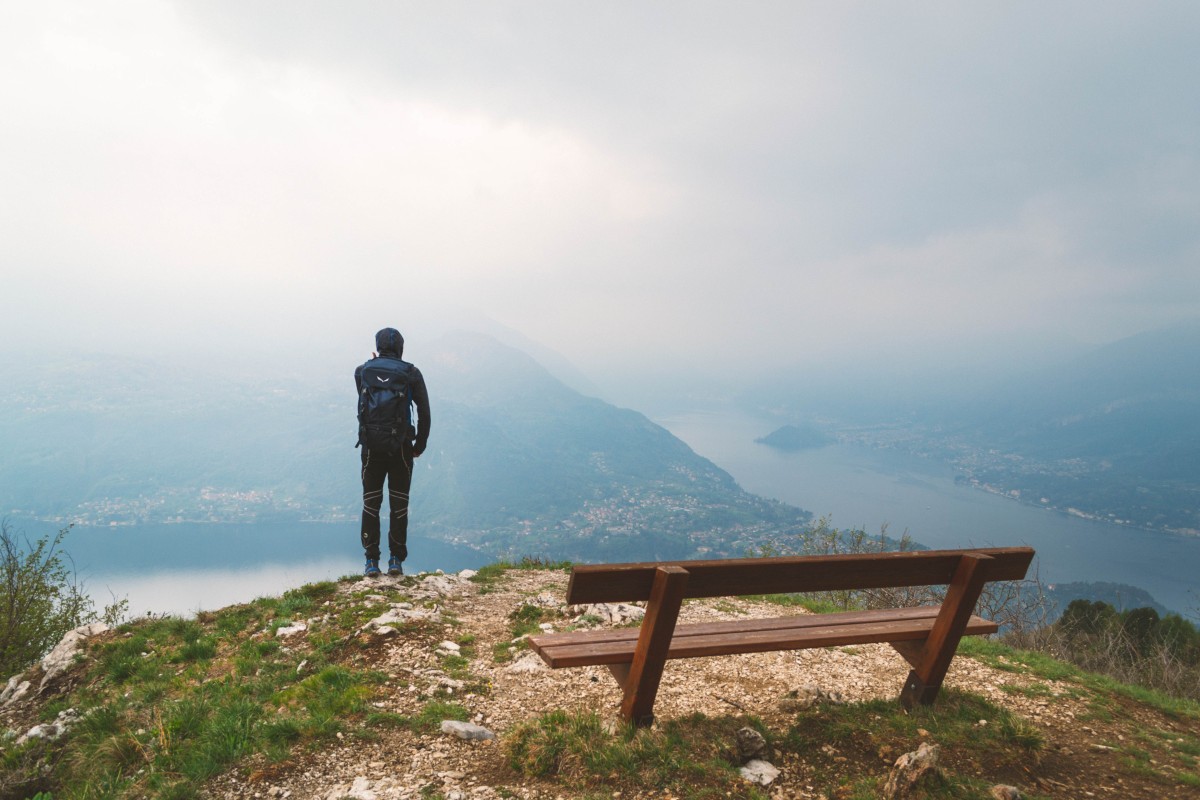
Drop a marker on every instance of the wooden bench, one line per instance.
(926, 636)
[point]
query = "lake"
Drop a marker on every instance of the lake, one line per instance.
(185, 568)
(865, 487)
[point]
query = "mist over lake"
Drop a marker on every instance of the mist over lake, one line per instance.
(858, 486)
(189, 567)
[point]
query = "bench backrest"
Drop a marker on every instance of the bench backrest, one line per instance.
(611, 583)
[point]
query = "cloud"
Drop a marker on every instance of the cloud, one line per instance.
(642, 186)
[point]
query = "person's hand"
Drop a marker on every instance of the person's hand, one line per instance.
(418, 448)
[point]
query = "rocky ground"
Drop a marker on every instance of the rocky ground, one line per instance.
(402, 764)
(1078, 760)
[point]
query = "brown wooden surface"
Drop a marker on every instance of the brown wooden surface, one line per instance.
(688, 642)
(926, 678)
(910, 651)
(607, 583)
(650, 652)
(597, 635)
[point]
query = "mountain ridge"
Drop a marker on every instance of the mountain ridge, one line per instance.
(517, 460)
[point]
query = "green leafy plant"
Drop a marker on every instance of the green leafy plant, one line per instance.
(41, 599)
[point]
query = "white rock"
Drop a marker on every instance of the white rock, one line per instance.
(14, 690)
(466, 730)
(444, 585)
(291, 630)
(467, 574)
(529, 662)
(51, 730)
(63, 655)
(449, 646)
(361, 790)
(760, 772)
(399, 614)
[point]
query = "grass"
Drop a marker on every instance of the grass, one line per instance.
(809, 602)
(690, 757)
(427, 720)
(488, 576)
(1000, 656)
(168, 702)
(836, 748)
(523, 621)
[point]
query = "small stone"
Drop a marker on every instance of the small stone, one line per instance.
(760, 772)
(530, 662)
(292, 630)
(452, 647)
(750, 744)
(361, 790)
(1003, 792)
(911, 771)
(466, 730)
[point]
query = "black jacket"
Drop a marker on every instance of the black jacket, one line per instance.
(391, 346)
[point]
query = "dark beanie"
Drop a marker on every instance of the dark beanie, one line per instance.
(389, 341)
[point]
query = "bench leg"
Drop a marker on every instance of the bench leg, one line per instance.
(930, 668)
(620, 672)
(654, 639)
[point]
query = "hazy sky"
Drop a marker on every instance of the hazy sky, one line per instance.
(638, 185)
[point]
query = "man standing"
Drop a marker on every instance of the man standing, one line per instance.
(388, 388)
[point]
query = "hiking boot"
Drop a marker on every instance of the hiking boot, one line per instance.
(394, 566)
(372, 568)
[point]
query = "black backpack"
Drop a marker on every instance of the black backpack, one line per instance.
(385, 404)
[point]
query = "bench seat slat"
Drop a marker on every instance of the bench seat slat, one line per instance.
(785, 633)
(597, 635)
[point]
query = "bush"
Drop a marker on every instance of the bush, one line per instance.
(42, 599)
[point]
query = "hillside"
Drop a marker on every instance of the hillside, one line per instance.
(518, 462)
(310, 695)
(1112, 433)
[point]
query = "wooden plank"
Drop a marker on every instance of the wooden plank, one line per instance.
(650, 653)
(597, 635)
(910, 650)
(925, 680)
(606, 583)
(686, 645)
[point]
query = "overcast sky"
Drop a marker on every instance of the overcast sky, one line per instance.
(641, 186)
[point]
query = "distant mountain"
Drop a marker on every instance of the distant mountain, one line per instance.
(1135, 402)
(1110, 433)
(1113, 434)
(517, 463)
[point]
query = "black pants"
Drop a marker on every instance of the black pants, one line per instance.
(397, 469)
